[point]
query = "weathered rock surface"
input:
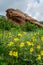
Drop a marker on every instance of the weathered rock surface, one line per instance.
(20, 17)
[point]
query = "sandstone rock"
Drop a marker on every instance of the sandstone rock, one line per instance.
(20, 17)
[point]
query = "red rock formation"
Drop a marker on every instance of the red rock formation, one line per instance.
(20, 17)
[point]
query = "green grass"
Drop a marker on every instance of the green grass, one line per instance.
(29, 47)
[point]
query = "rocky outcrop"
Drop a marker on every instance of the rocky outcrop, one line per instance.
(20, 17)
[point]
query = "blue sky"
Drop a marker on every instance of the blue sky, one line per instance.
(33, 8)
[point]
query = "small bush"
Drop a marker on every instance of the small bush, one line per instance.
(4, 24)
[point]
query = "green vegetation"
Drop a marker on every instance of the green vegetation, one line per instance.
(20, 44)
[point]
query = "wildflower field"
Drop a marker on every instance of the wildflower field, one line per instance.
(20, 45)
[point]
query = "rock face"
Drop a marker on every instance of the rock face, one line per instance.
(20, 17)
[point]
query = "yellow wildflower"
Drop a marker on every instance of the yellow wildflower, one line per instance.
(16, 39)
(31, 49)
(10, 43)
(10, 53)
(20, 35)
(29, 43)
(38, 46)
(38, 57)
(42, 38)
(42, 53)
(15, 54)
(22, 44)
(24, 32)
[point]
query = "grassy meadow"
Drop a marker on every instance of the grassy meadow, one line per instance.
(20, 45)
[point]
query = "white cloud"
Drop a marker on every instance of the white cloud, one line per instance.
(35, 9)
(32, 7)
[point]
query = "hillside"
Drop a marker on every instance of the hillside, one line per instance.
(20, 44)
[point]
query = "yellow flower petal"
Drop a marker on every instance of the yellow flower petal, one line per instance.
(10, 43)
(22, 44)
(38, 46)
(38, 57)
(20, 35)
(10, 53)
(15, 54)
(24, 32)
(29, 43)
(31, 49)
(16, 39)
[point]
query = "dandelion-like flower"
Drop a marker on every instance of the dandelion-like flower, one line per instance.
(22, 44)
(24, 32)
(39, 57)
(29, 43)
(15, 54)
(10, 53)
(38, 46)
(31, 49)
(10, 43)
(16, 39)
(19, 35)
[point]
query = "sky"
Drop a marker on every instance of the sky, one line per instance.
(34, 8)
